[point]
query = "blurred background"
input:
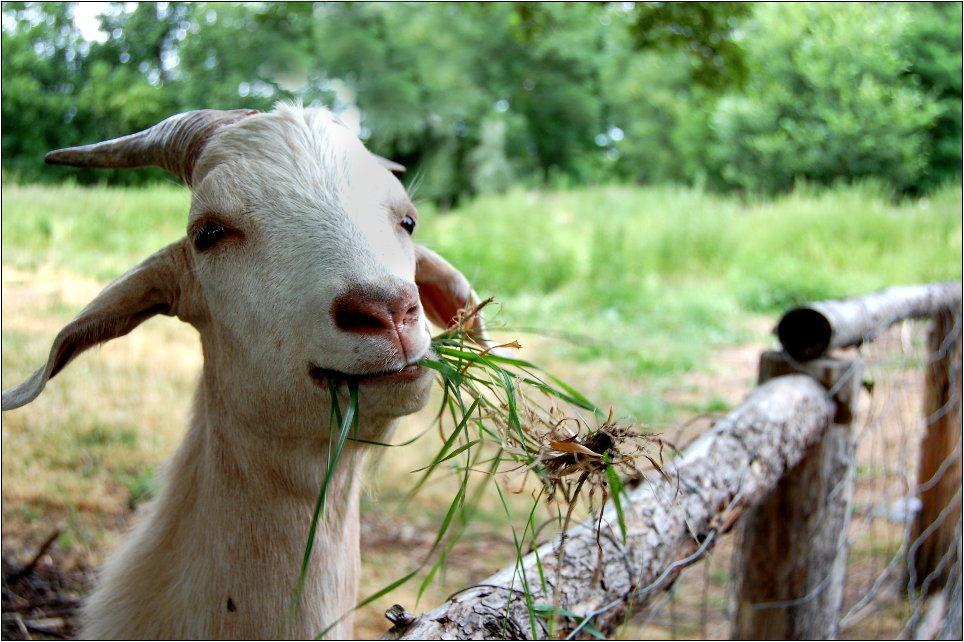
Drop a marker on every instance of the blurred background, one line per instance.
(477, 97)
(644, 188)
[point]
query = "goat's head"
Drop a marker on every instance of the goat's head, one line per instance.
(298, 264)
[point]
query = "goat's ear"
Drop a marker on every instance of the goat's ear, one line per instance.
(162, 284)
(446, 293)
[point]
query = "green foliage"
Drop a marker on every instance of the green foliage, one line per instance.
(707, 32)
(475, 97)
(932, 41)
(452, 89)
(825, 102)
(39, 59)
(641, 283)
(614, 250)
(622, 274)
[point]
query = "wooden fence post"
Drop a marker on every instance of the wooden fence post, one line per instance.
(793, 551)
(935, 530)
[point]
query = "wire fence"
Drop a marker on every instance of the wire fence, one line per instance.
(883, 596)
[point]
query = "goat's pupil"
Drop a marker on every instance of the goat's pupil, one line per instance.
(408, 223)
(207, 235)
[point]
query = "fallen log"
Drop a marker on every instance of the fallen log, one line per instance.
(670, 523)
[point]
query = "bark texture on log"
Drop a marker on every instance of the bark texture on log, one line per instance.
(809, 331)
(713, 481)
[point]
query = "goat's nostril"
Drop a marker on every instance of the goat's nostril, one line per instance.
(356, 320)
(411, 314)
(363, 316)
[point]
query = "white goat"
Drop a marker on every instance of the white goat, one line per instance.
(298, 266)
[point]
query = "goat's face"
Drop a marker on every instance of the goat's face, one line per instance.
(298, 267)
(302, 244)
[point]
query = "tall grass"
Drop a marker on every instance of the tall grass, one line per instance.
(611, 245)
(645, 282)
(96, 232)
(608, 247)
(640, 283)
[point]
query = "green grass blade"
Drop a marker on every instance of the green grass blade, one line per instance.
(449, 514)
(388, 589)
(448, 372)
(617, 489)
(455, 453)
(370, 442)
(368, 600)
(346, 423)
(519, 570)
(440, 457)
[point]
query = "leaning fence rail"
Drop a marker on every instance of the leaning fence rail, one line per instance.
(781, 466)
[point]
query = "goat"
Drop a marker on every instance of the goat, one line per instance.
(298, 266)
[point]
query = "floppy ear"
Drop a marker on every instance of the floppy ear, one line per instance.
(445, 293)
(162, 284)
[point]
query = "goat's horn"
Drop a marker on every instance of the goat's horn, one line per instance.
(173, 144)
(390, 165)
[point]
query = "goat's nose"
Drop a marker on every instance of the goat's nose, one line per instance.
(394, 316)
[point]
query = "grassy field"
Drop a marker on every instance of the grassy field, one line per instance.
(641, 297)
(643, 281)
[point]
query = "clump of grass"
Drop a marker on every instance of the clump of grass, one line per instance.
(535, 421)
(537, 424)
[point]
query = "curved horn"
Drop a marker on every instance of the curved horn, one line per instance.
(390, 165)
(173, 144)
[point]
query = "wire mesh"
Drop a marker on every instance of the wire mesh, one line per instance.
(882, 596)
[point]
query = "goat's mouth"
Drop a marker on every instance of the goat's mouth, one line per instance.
(323, 377)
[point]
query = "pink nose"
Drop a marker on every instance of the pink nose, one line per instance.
(394, 316)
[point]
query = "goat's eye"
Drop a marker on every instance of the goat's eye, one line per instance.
(207, 235)
(408, 223)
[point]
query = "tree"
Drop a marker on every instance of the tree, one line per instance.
(42, 55)
(932, 42)
(473, 96)
(708, 33)
(826, 101)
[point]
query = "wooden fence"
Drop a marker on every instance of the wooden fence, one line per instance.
(781, 466)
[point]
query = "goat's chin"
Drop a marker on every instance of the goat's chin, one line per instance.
(395, 400)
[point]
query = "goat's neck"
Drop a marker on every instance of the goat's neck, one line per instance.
(268, 485)
(235, 514)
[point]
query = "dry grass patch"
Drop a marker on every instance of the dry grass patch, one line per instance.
(100, 424)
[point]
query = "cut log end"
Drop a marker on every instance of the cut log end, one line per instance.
(805, 333)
